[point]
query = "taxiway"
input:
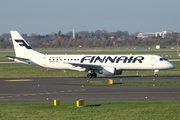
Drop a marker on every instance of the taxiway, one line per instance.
(48, 89)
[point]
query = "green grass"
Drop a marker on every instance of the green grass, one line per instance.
(165, 110)
(3, 54)
(157, 83)
(15, 70)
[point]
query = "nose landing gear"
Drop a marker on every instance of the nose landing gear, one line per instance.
(156, 75)
(155, 72)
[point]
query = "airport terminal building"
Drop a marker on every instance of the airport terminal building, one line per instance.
(157, 34)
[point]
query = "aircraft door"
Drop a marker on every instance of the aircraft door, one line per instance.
(152, 61)
(44, 60)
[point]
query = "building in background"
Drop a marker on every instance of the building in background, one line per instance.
(74, 33)
(157, 34)
(144, 35)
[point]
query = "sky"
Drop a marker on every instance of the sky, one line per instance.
(48, 16)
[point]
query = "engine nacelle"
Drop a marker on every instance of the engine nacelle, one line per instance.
(110, 71)
(118, 72)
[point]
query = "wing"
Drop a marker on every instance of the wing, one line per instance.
(86, 66)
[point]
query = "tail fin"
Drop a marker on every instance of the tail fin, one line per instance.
(21, 47)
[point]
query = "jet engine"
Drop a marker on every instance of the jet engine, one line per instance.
(110, 71)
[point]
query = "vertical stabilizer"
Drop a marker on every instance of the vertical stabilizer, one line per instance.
(21, 47)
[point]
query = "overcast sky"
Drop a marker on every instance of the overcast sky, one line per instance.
(47, 16)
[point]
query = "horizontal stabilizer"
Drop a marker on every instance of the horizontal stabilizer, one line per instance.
(18, 58)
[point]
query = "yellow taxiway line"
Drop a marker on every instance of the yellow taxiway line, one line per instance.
(18, 80)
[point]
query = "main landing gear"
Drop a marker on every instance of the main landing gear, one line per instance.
(91, 75)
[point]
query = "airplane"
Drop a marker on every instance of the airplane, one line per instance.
(103, 64)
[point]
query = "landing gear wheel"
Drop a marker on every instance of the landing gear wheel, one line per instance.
(156, 75)
(89, 75)
(94, 75)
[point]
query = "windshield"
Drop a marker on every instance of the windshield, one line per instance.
(163, 59)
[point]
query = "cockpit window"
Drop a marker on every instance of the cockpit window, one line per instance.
(163, 59)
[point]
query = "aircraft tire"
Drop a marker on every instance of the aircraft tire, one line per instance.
(94, 75)
(89, 75)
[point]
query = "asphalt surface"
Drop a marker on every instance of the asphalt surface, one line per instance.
(48, 89)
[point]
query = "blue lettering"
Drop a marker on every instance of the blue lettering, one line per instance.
(92, 59)
(84, 58)
(99, 59)
(110, 59)
(139, 58)
(116, 59)
(130, 59)
(123, 58)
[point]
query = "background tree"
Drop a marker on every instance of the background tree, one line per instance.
(57, 42)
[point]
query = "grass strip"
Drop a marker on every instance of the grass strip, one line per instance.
(144, 110)
(157, 83)
(19, 70)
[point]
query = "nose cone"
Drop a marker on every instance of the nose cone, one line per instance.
(171, 65)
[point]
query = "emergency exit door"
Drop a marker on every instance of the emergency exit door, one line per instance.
(152, 61)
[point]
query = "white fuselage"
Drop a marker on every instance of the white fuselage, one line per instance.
(120, 62)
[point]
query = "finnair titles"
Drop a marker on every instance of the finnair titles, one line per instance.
(103, 64)
(116, 59)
